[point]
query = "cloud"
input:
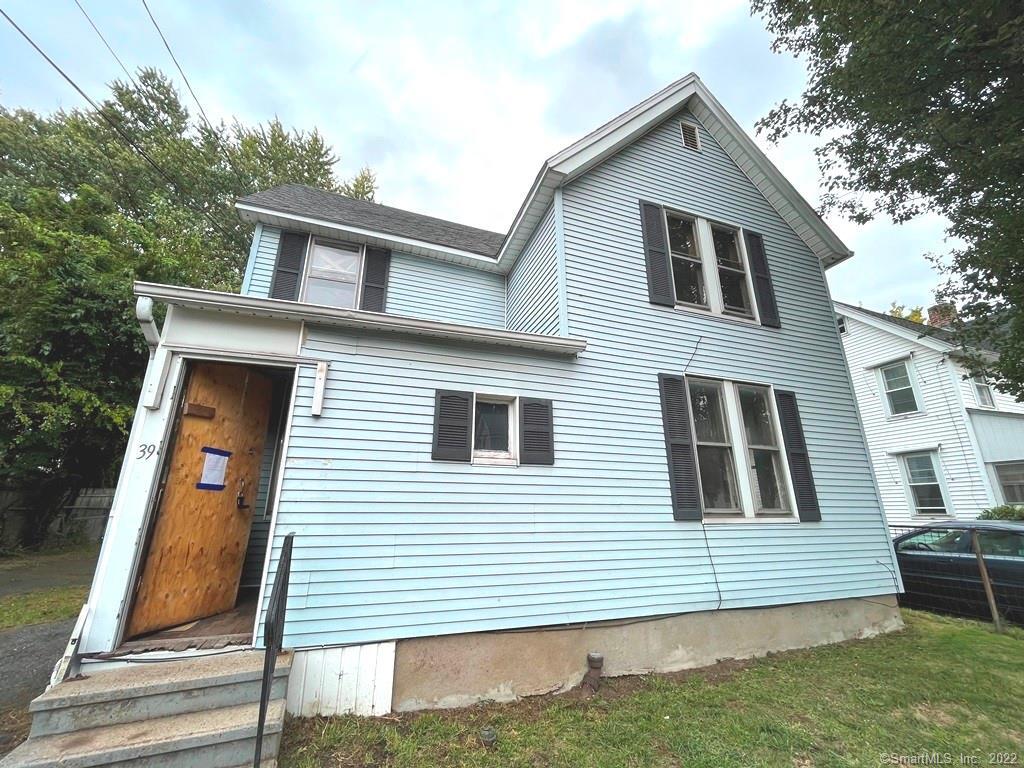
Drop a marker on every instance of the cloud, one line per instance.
(455, 105)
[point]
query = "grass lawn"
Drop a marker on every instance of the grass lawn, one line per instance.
(943, 685)
(40, 606)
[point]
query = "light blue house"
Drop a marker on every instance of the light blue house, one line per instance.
(624, 426)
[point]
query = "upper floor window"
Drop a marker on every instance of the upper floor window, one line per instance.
(983, 392)
(722, 284)
(900, 394)
(841, 324)
(333, 274)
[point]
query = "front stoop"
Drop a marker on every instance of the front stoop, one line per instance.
(198, 712)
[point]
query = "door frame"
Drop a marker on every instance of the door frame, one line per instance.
(181, 362)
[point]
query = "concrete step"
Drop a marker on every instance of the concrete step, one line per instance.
(145, 691)
(220, 738)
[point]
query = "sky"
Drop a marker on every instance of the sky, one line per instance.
(455, 105)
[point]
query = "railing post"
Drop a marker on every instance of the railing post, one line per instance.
(986, 582)
(273, 635)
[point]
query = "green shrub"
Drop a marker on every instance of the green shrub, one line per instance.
(1004, 512)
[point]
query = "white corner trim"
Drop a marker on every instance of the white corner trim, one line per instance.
(220, 301)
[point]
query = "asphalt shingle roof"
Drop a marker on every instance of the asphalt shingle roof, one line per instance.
(919, 328)
(300, 200)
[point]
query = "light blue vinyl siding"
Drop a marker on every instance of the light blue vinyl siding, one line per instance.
(533, 282)
(417, 287)
(390, 544)
(260, 272)
(438, 290)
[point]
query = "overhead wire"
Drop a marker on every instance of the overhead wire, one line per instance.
(111, 122)
(174, 58)
(104, 40)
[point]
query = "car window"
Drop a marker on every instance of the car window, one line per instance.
(1001, 544)
(936, 540)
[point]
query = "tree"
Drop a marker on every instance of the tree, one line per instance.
(923, 106)
(915, 314)
(83, 215)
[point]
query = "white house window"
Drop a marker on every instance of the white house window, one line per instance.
(763, 449)
(687, 269)
(983, 393)
(714, 446)
(899, 389)
(709, 266)
(734, 423)
(332, 275)
(494, 424)
(1011, 481)
(921, 471)
(841, 324)
(732, 273)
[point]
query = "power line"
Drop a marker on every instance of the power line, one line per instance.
(117, 129)
(100, 34)
(175, 60)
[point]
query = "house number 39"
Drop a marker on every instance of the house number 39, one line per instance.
(146, 451)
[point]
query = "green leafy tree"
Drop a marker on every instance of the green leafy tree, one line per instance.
(83, 215)
(914, 314)
(922, 104)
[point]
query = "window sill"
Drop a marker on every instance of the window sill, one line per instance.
(691, 310)
(495, 461)
(739, 519)
(905, 416)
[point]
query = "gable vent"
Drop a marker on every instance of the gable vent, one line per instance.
(691, 139)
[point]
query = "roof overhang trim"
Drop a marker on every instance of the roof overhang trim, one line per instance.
(219, 301)
(597, 146)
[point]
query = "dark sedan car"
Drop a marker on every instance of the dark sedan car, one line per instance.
(940, 570)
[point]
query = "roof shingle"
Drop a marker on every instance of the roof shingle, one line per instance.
(300, 200)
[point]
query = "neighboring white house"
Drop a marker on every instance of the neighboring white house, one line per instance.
(942, 444)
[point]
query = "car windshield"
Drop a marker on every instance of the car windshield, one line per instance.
(935, 540)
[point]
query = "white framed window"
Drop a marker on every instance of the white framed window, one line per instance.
(841, 325)
(495, 429)
(983, 392)
(764, 450)
(1011, 481)
(691, 136)
(333, 274)
(736, 422)
(716, 462)
(901, 396)
(710, 268)
(925, 490)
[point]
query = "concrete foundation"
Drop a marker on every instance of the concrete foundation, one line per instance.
(458, 670)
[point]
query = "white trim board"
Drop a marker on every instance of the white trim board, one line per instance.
(220, 301)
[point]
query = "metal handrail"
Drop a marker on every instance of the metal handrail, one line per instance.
(273, 634)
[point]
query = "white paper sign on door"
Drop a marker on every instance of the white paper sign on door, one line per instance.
(215, 469)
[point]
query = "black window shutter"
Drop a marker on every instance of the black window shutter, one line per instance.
(763, 290)
(659, 268)
(799, 461)
(453, 425)
(682, 456)
(536, 431)
(291, 258)
(375, 279)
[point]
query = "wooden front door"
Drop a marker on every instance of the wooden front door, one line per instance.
(197, 548)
